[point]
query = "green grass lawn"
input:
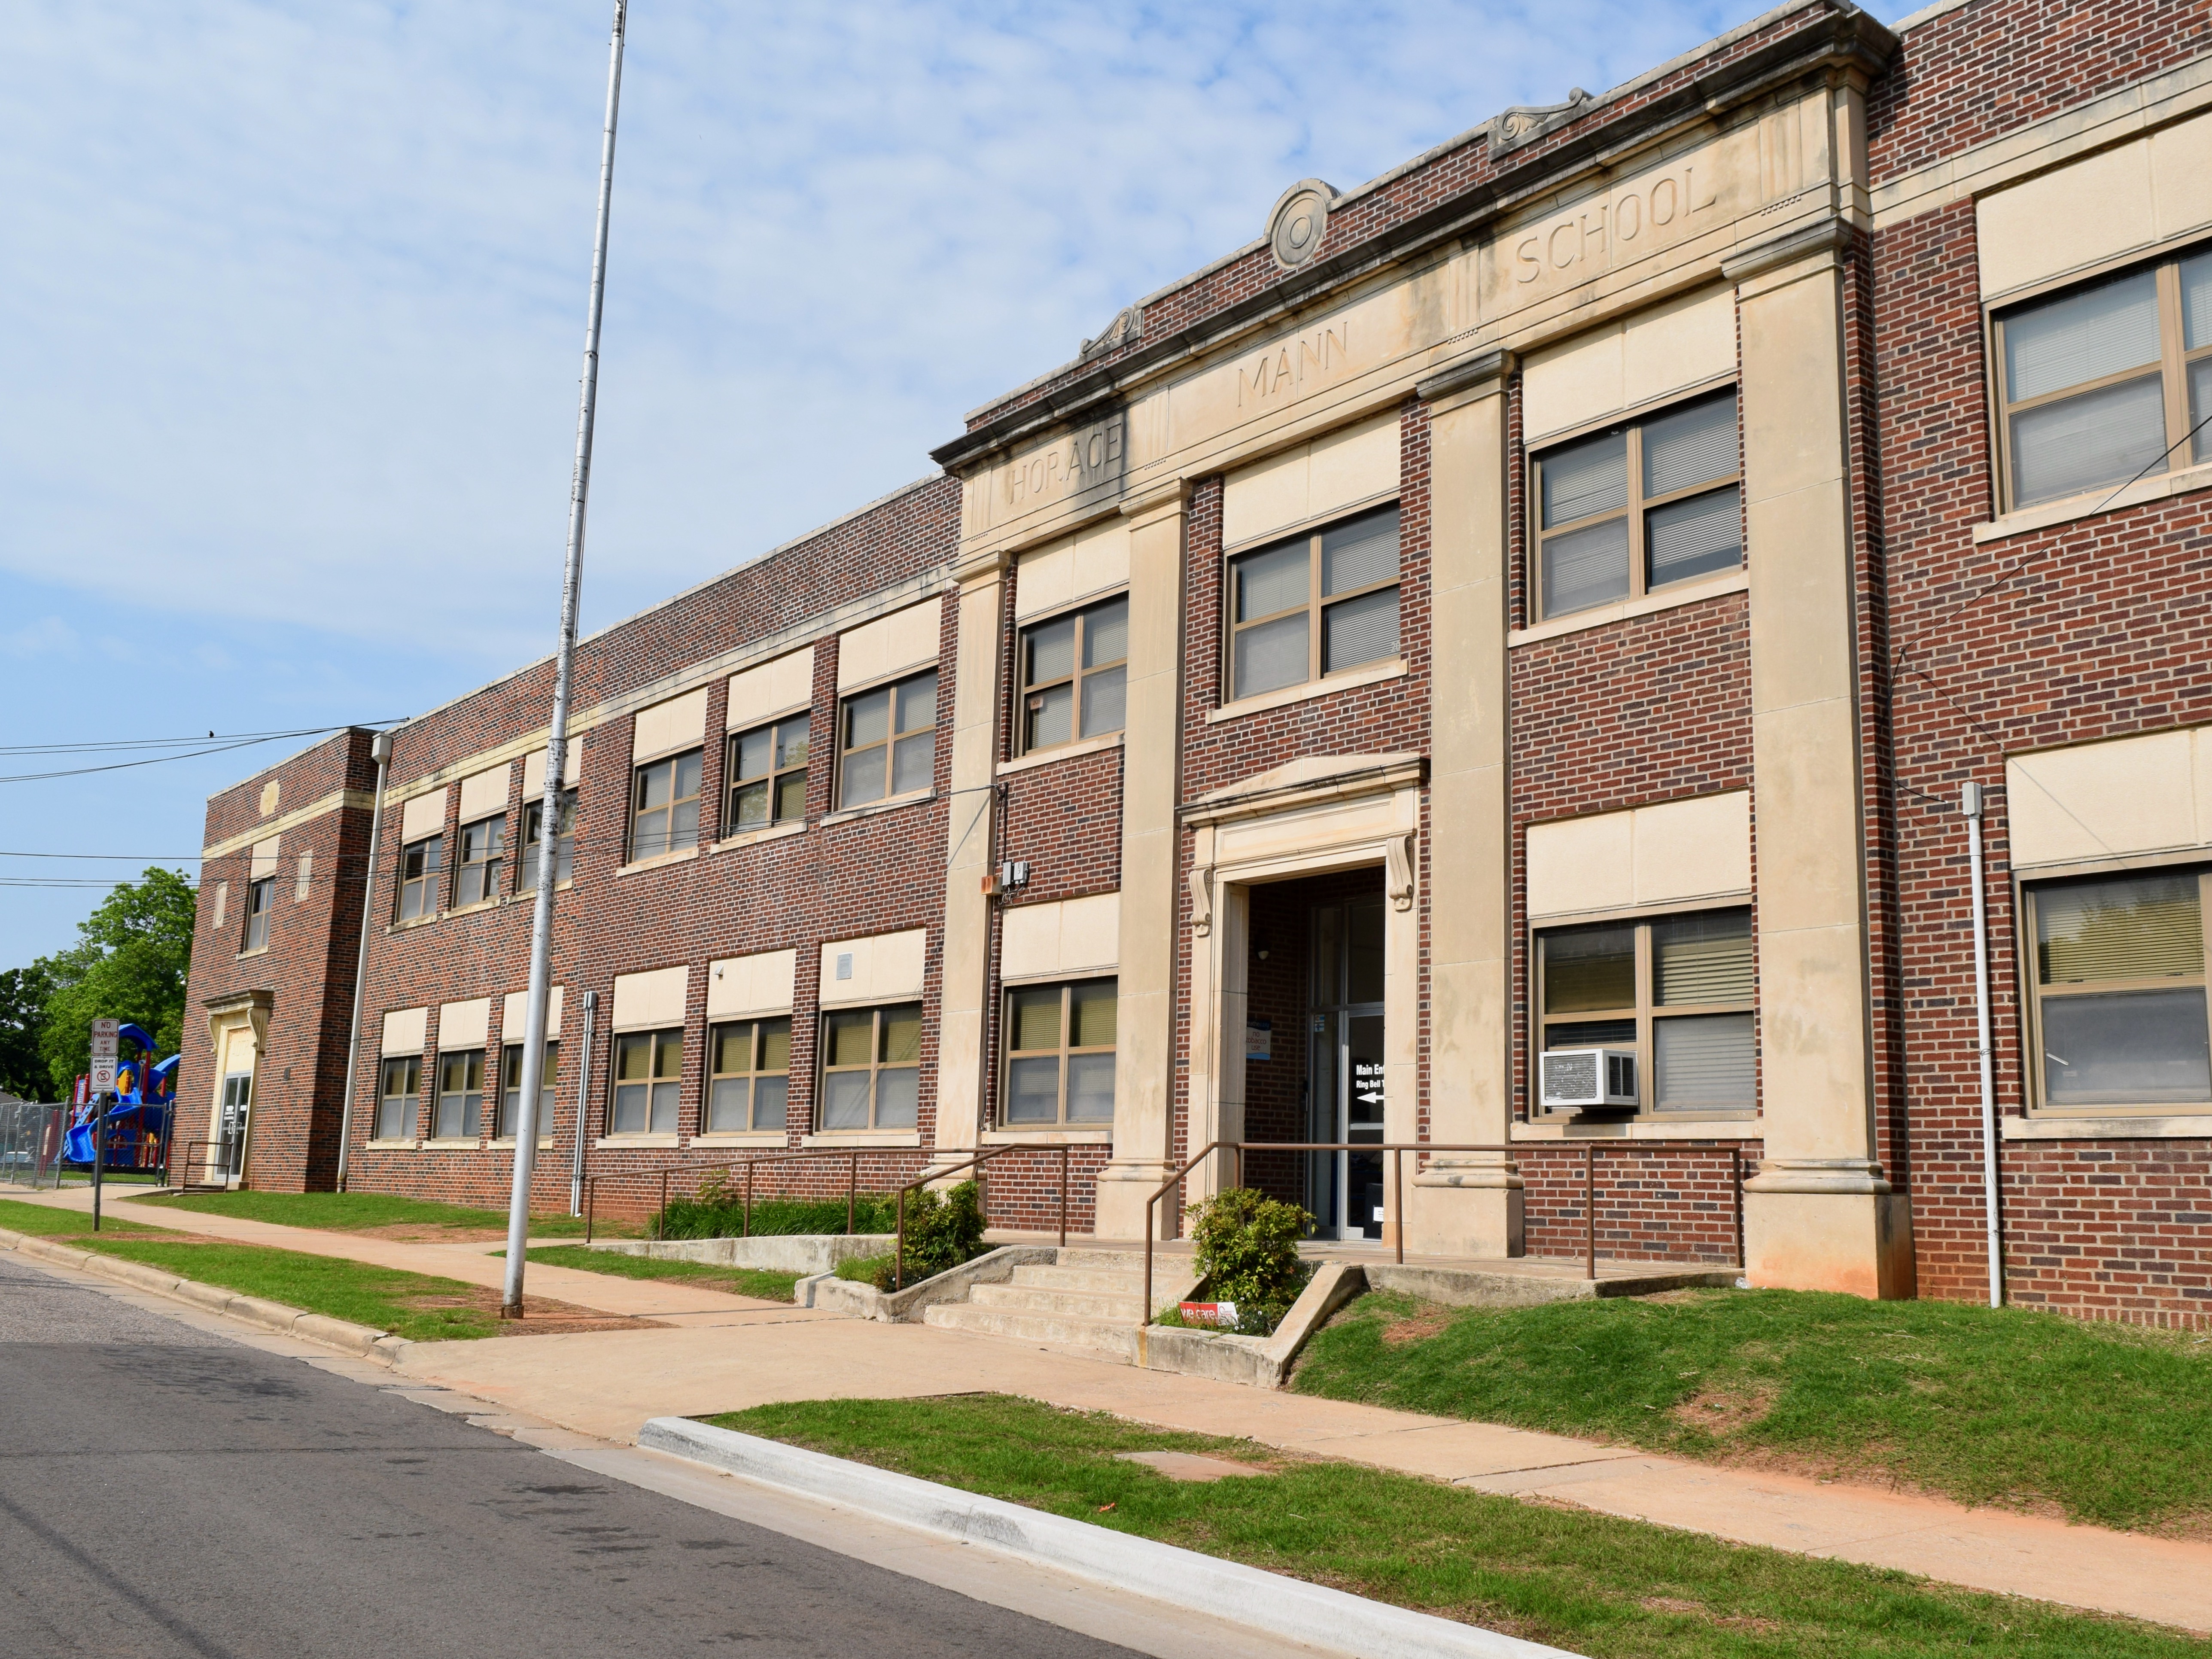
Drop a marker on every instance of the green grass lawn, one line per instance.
(768, 1286)
(1610, 1587)
(2009, 1407)
(354, 1211)
(403, 1304)
(46, 1221)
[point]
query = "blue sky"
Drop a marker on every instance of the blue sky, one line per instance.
(297, 292)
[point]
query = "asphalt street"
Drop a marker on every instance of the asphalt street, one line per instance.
(165, 1491)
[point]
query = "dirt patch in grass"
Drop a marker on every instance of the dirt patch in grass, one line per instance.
(1418, 1326)
(1723, 1412)
(541, 1315)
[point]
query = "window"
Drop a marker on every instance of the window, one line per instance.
(398, 1099)
(1074, 675)
(1677, 989)
(1059, 1054)
(260, 899)
(887, 741)
(1638, 507)
(2119, 992)
(564, 842)
(2104, 381)
(510, 1089)
(1281, 635)
(664, 805)
(768, 777)
(484, 849)
(460, 1095)
(872, 1067)
(648, 1074)
(751, 1075)
(420, 863)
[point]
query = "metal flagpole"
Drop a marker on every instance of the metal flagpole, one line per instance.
(556, 742)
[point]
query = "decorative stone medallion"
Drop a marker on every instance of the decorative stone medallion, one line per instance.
(1295, 229)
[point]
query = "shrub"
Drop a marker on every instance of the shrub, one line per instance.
(718, 1210)
(941, 1233)
(1246, 1249)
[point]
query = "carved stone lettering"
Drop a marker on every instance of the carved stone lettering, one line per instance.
(1067, 466)
(1676, 201)
(1290, 368)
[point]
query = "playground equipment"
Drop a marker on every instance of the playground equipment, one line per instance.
(135, 1130)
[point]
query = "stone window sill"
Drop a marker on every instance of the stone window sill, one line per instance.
(741, 1137)
(407, 1146)
(1373, 674)
(1744, 1126)
(680, 856)
(2044, 514)
(858, 1139)
(616, 1142)
(471, 909)
(257, 951)
(914, 797)
(755, 837)
(1667, 599)
(1049, 1137)
(2179, 1126)
(410, 926)
(1063, 752)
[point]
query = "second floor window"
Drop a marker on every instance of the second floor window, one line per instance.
(887, 741)
(1074, 675)
(1677, 989)
(421, 864)
(460, 1095)
(510, 1089)
(768, 777)
(564, 842)
(1647, 503)
(1059, 1054)
(260, 900)
(872, 1067)
(1315, 604)
(664, 805)
(648, 1077)
(2120, 1011)
(2104, 381)
(751, 1075)
(399, 1090)
(483, 850)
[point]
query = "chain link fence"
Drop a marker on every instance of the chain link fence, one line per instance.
(31, 1144)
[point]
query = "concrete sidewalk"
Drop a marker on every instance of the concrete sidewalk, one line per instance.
(736, 1353)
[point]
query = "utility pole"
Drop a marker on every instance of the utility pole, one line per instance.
(556, 742)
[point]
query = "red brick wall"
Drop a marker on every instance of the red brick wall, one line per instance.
(309, 968)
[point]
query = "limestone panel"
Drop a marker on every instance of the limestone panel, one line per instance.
(668, 728)
(1630, 363)
(889, 645)
(1665, 854)
(513, 1014)
(405, 1032)
(485, 792)
(424, 815)
(1312, 480)
(464, 1024)
(533, 769)
(1061, 941)
(773, 689)
(2098, 207)
(882, 967)
(647, 1001)
(1093, 560)
(264, 858)
(2143, 794)
(757, 984)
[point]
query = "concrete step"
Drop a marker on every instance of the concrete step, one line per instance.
(1128, 1261)
(1081, 1279)
(1088, 1304)
(1108, 1338)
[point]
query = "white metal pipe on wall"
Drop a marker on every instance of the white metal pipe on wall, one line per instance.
(1970, 803)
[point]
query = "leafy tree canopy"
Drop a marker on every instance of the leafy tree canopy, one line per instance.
(131, 962)
(23, 992)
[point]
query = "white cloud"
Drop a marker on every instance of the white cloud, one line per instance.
(49, 636)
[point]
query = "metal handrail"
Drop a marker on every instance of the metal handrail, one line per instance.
(898, 1261)
(1398, 1149)
(192, 1162)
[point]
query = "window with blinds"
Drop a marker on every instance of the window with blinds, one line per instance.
(1645, 504)
(2120, 1010)
(2106, 381)
(1678, 989)
(1314, 605)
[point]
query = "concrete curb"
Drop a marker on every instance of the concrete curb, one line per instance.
(1284, 1606)
(362, 1342)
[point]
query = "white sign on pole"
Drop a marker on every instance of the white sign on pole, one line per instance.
(104, 1037)
(103, 1074)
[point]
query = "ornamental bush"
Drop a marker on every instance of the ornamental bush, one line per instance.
(1247, 1250)
(941, 1233)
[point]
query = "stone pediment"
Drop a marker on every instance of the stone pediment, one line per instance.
(1307, 778)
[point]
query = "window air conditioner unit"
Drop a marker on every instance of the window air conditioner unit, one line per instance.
(1589, 1078)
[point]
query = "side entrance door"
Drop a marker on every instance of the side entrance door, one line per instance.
(1343, 1065)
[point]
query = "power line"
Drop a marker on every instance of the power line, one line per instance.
(190, 754)
(165, 743)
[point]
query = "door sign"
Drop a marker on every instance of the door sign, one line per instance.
(1367, 1085)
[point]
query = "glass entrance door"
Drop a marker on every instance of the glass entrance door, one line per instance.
(237, 1102)
(1344, 1066)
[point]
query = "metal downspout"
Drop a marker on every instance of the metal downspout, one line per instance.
(1970, 803)
(380, 747)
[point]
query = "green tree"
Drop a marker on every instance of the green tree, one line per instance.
(23, 992)
(131, 962)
